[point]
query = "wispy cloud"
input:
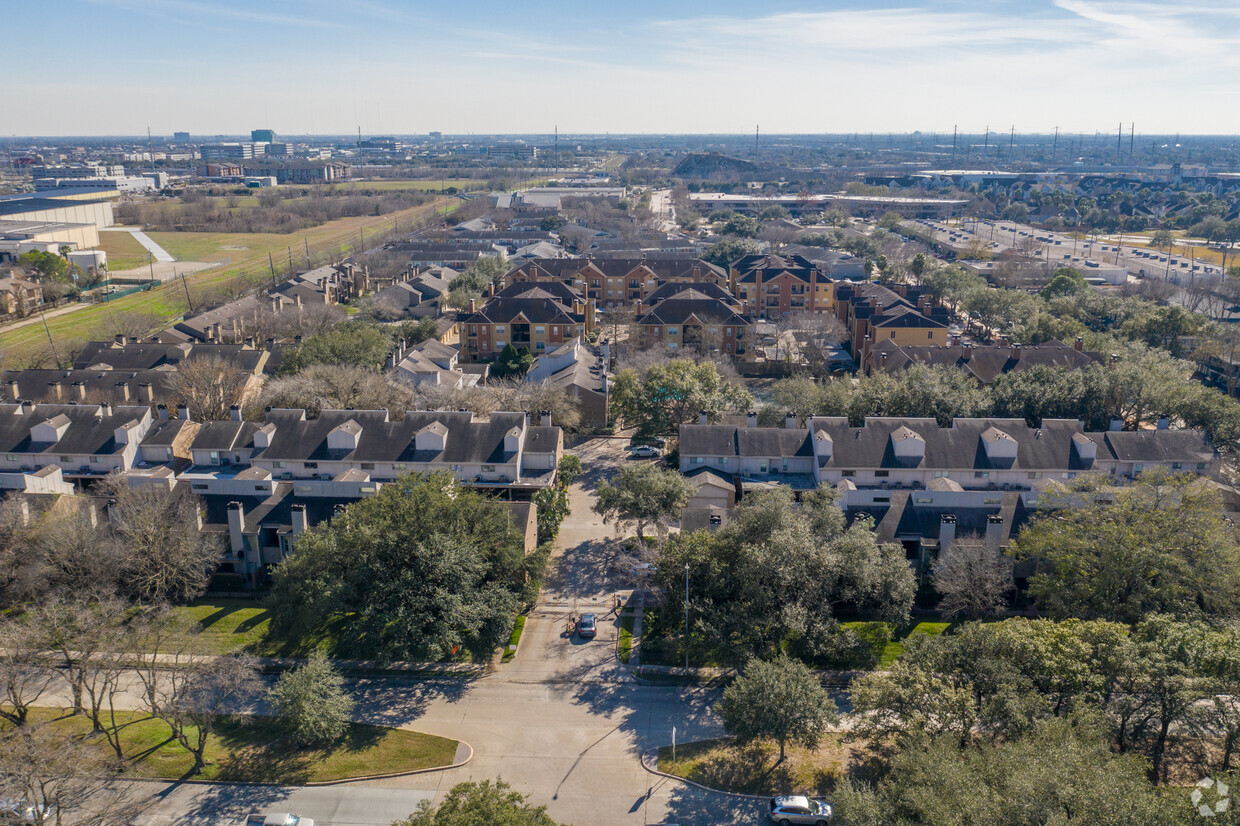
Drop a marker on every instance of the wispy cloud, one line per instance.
(175, 9)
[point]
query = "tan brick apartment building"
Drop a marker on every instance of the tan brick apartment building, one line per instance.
(774, 286)
(693, 320)
(539, 316)
(617, 282)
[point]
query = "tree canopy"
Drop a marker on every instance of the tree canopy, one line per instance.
(418, 570)
(1160, 544)
(781, 700)
(776, 574)
(671, 393)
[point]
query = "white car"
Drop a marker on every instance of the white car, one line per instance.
(19, 812)
(278, 819)
(643, 452)
(799, 809)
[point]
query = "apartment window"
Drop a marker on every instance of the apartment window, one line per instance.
(199, 487)
(368, 465)
(540, 345)
(880, 500)
(1138, 468)
(499, 328)
(1176, 466)
(1201, 466)
(848, 474)
(555, 331)
(981, 474)
(488, 468)
(500, 344)
(714, 331)
(992, 500)
(696, 460)
(671, 331)
(399, 468)
(11, 458)
(923, 500)
(94, 459)
(540, 331)
(881, 474)
(727, 331)
(671, 345)
(311, 465)
(1034, 474)
(930, 334)
(939, 474)
(215, 456)
(723, 460)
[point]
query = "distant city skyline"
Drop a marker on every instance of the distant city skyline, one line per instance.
(316, 67)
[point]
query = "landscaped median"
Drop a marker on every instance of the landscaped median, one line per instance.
(727, 765)
(256, 749)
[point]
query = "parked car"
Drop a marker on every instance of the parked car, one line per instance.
(797, 809)
(17, 812)
(587, 628)
(278, 819)
(643, 452)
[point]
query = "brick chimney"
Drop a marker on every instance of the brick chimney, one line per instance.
(1079, 346)
(1015, 352)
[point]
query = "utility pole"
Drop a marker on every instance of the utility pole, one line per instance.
(557, 150)
(1012, 140)
(755, 141)
(149, 151)
(188, 301)
(59, 366)
(272, 263)
(150, 260)
(986, 143)
(1055, 145)
(954, 128)
(1119, 141)
(1132, 138)
(306, 241)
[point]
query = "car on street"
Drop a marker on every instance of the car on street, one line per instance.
(16, 812)
(587, 627)
(797, 809)
(643, 452)
(278, 819)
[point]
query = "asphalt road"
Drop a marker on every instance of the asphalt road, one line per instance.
(564, 722)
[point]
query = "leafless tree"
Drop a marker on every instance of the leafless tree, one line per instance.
(536, 397)
(73, 630)
(25, 670)
(70, 553)
(134, 325)
(973, 578)
(308, 320)
(778, 236)
(208, 385)
(199, 693)
(166, 556)
(338, 387)
(62, 780)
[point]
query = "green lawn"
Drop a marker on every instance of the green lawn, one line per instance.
(226, 624)
(624, 645)
(124, 251)
(254, 749)
(518, 627)
(751, 768)
(896, 647)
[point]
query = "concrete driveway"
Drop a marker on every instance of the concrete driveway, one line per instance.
(564, 722)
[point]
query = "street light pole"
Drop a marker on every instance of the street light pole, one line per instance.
(686, 616)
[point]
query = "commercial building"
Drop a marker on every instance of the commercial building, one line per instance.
(17, 237)
(262, 135)
(55, 209)
(868, 206)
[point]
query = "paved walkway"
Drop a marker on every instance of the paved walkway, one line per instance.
(564, 722)
(142, 238)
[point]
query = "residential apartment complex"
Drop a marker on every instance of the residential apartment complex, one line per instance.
(539, 317)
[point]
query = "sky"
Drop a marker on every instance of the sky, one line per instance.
(117, 67)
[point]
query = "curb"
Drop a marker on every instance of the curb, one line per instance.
(314, 783)
(651, 768)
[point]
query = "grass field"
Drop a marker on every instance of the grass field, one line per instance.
(124, 251)
(227, 625)
(256, 749)
(895, 648)
(751, 768)
(168, 301)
